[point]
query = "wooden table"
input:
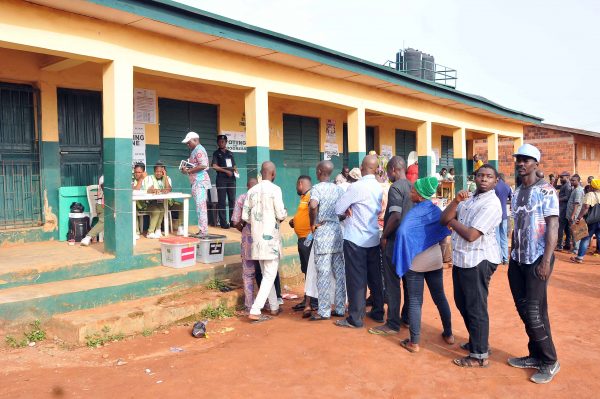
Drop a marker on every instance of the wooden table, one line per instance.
(448, 184)
(139, 195)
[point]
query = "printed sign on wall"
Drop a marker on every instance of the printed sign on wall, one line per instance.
(139, 143)
(144, 106)
(236, 141)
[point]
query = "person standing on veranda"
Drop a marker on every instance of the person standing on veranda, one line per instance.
(198, 175)
(264, 210)
(223, 163)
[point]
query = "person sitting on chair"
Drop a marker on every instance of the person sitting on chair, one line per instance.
(160, 183)
(99, 226)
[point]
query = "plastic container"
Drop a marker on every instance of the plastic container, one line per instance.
(178, 252)
(66, 196)
(211, 248)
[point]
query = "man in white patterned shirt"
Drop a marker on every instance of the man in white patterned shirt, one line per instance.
(475, 257)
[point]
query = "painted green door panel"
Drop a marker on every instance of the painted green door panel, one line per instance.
(300, 157)
(406, 141)
(20, 194)
(447, 154)
(79, 136)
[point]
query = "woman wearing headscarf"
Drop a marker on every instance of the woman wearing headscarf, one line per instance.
(417, 254)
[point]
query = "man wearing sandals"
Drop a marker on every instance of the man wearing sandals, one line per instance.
(328, 242)
(535, 211)
(475, 257)
(264, 211)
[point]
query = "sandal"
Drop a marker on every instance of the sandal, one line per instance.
(307, 313)
(298, 307)
(317, 317)
(471, 362)
(382, 330)
(344, 323)
(575, 259)
(255, 319)
(336, 314)
(408, 346)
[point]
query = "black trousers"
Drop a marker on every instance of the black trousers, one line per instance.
(225, 191)
(471, 297)
(530, 294)
(362, 266)
(304, 254)
(392, 291)
(258, 277)
(564, 228)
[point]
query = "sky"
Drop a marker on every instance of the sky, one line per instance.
(539, 57)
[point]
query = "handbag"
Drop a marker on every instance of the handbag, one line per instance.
(579, 231)
(593, 215)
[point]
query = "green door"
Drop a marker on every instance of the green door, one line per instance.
(447, 154)
(370, 138)
(406, 141)
(177, 118)
(80, 136)
(301, 155)
(20, 194)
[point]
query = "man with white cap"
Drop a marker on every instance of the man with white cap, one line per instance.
(535, 211)
(198, 175)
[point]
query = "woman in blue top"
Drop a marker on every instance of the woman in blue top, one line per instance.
(418, 255)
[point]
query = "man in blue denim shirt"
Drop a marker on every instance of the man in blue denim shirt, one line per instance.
(362, 204)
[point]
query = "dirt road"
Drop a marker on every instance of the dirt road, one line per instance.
(292, 358)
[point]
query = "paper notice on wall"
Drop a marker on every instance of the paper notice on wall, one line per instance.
(330, 135)
(139, 143)
(236, 141)
(144, 106)
(331, 150)
(436, 153)
(386, 151)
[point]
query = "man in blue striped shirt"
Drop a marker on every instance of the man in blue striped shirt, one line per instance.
(362, 204)
(475, 257)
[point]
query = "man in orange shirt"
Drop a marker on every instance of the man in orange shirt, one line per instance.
(301, 225)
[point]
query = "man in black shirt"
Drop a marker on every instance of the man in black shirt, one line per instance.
(224, 164)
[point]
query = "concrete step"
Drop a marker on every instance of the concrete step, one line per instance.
(44, 262)
(41, 301)
(136, 316)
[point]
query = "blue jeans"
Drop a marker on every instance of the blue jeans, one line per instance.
(502, 238)
(593, 229)
(435, 283)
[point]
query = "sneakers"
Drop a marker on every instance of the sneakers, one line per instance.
(86, 241)
(525, 362)
(180, 231)
(280, 301)
(153, 235)
(137, 236)
(546, 373)
(158, 233)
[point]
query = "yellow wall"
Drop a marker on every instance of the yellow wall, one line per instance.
(27, 26)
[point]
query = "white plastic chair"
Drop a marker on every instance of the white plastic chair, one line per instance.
(92, 196)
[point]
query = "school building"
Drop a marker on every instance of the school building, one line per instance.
(78, 77)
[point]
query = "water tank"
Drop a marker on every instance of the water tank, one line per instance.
(428, 67)
(412, 62)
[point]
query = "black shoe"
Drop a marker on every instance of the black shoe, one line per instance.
(525, 362)
(225, 226)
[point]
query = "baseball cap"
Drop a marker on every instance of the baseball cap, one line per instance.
(189, 136)
(529, 150)
(221, 136)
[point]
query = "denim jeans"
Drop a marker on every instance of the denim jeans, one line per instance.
(530, 294)
(435, 283)
(593, 229)
(471, 298)
(502, 238)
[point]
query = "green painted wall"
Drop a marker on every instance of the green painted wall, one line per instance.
(425, 166)
(460, 174)
(50, 175)
(355, 159)
(118, 229)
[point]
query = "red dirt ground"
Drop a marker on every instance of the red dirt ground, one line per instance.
(292, 358)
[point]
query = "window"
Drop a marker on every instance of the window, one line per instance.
(583, 152)
(593, 153)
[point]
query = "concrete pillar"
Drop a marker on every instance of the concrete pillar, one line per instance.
(424, 150)
(459, 143)
(492, 147)
(257, 129)
(357, 143)
(49, 151)
(117, 103)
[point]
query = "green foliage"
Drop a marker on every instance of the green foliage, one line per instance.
(97, 340)
(35, 334)
(147, 332)
(215, 284)
(220, 312)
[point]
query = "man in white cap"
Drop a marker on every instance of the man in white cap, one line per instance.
(198, 175)
(535, 211)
